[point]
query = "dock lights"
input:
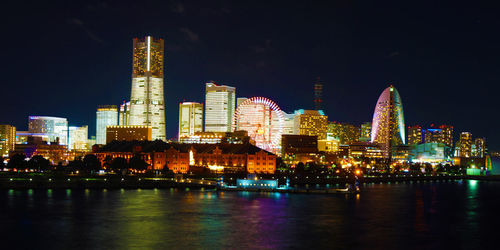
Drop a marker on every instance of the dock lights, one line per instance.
(50, 179)
(69, 179)
(31, 179)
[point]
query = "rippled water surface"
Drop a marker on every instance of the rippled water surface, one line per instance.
(454, 214)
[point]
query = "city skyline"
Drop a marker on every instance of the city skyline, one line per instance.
(347, 97)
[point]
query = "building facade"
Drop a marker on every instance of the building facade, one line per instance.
(190, 118)
(366, 130)
(124, 114)
(78, 138)
(7, 139)
(128, 133)
(289, 123)
(388, 125)
(415, 135)
(220, 102)
(311, 122)
(465, 145)
(480, 147)
(55, 129)
(180, 158)
(147, 106)
(107, 115)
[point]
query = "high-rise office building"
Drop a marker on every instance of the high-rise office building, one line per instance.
(465, 145)
(107, 115)
(124, 114)
(147, 107)
(480, 146)
(53, 128)
(345, 133)
(335, 130)
(441, 134)
(351, 133)
(289, 123)
(219, 107)
(7, 139)
(366, 130)
(415, 135)
(447, 135)
(311, 122)
(78, 138)
(388, 128)
(190, 118)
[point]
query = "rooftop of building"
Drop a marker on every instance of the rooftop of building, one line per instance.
(160, 146)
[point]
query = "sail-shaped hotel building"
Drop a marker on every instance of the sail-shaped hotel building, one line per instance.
(388, 129)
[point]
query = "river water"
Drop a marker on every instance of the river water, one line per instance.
(417, 215)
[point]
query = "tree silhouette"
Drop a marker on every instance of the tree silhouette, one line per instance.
(91, 163)
(38, 162)
(136, 162)
(17, 161)
(118, 164)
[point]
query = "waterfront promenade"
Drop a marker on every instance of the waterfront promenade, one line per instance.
(41, 181)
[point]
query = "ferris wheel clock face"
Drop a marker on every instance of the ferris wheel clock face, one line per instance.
(263, 120)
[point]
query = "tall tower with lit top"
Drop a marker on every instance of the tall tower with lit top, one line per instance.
(147, 106)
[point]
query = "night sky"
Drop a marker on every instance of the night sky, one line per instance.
(65, 58)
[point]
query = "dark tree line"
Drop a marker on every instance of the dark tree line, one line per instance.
(88, 164)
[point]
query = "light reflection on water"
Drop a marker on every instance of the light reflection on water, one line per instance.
(460, 214)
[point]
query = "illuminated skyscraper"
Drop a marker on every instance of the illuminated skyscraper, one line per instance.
(480, 146)
(311, 122)
(345, 133)
(366, 130)
(53, 128)
(335, 130)
(147, 107)
(107, 115)
(190, 118)
(220, 102)
(78, 138)
(414, 135)
(442, 134)
(289, 124)
(7, 139)
(124, 114)
(388, 127)
(447, 135)
(465, 145)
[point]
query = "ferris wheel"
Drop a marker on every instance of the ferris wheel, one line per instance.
(263, 120)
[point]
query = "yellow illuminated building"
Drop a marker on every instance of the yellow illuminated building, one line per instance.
(147, 107)
(414, 135)
(329, 146)
(7, 139)
(128, 133)
(311, 122)
(190, 118)
(465, 144)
